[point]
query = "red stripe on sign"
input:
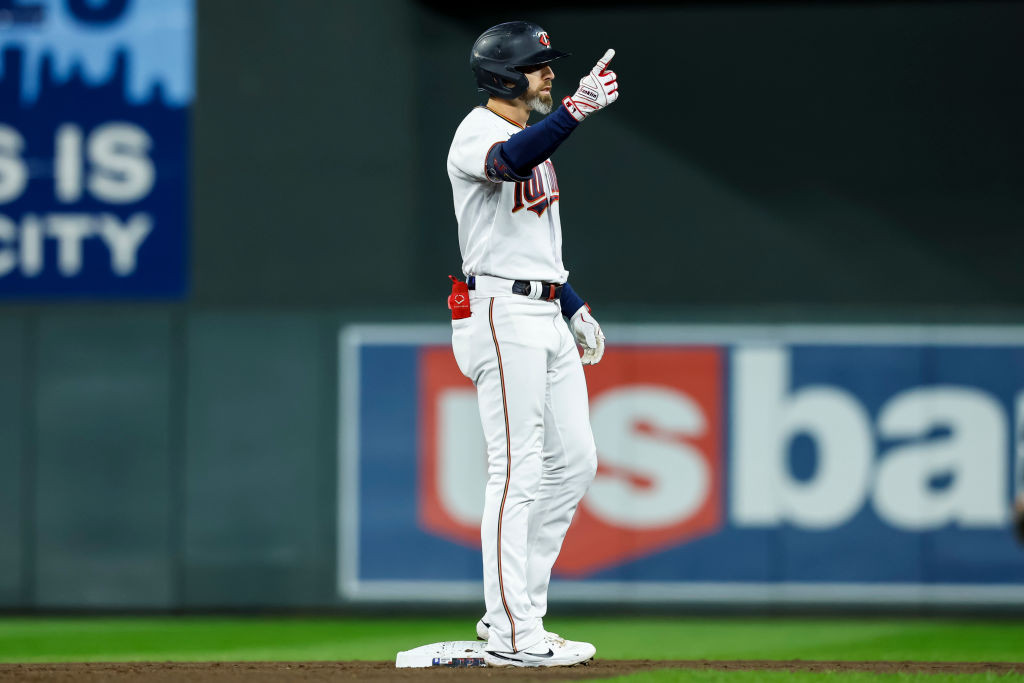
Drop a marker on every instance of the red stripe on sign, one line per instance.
(508, 471)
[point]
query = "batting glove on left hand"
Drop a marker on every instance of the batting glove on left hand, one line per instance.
(588, 335)
(597, 90)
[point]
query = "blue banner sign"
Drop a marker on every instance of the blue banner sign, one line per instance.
(794, 464)
(94, 147)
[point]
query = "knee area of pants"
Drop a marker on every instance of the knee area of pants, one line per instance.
(526, 476)
(585, 470)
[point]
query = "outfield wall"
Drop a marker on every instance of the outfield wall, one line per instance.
(209, 461)
(782, 465)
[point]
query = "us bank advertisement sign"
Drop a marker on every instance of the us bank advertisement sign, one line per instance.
(94, 106)
(787, 465)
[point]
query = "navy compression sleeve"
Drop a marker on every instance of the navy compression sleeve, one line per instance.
(570, 301)
(530, 146)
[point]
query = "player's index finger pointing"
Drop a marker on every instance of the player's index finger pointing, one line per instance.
(603, 62)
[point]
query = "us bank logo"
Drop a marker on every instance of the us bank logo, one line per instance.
(657, 421)
(765, 465)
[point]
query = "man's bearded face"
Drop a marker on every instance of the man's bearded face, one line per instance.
(538, 92)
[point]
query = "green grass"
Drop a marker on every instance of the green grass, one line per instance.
(842, 639)
(671, 676)
(29, 639)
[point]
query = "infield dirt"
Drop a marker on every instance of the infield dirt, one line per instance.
(229, 672)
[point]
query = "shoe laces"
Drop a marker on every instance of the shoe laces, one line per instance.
(554, 639)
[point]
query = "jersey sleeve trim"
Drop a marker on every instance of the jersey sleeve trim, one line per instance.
(489, 171)
(496, 166)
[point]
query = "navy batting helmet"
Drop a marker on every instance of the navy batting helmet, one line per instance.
(501, 52)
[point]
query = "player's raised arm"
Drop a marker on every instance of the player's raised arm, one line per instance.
(531, 146)
(514, 159)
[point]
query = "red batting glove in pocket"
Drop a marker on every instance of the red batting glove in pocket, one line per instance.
(458, 301)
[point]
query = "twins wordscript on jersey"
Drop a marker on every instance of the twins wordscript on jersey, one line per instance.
(535, 194)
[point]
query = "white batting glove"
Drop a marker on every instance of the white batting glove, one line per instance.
(597, 90)
(588, 335)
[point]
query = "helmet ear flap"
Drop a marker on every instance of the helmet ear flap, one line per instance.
(519, 84)
(497, 83)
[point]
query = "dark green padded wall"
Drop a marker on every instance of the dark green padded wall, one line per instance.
(103, 468)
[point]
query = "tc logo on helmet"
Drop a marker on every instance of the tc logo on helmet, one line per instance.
(544, 39)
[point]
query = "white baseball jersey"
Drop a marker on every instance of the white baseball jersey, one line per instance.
(506, 229)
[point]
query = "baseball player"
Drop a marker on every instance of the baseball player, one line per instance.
(512, 339)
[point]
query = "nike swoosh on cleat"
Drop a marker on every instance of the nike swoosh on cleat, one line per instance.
(545, 655)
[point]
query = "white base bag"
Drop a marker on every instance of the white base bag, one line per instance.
(451, 653)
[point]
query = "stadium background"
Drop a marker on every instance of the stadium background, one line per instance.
(768, 162)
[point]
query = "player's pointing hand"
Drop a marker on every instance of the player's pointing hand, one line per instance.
(597, 90)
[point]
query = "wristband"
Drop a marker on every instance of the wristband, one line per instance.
(570, 301)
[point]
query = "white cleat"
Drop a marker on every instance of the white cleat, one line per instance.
(483, 631)
(552, 650)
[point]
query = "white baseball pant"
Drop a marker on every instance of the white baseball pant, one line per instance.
(541, 456)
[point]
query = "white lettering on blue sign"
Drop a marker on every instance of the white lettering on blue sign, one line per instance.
(768, 415)
(23, 244)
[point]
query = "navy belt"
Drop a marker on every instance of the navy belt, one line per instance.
(549, 291)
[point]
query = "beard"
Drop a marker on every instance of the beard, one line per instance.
(541, 103)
